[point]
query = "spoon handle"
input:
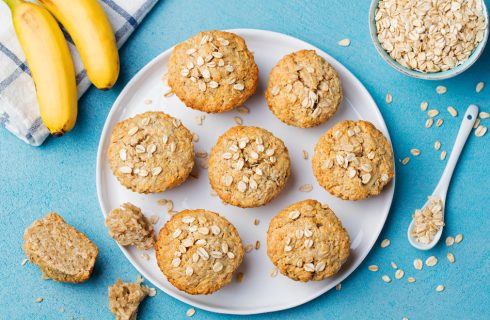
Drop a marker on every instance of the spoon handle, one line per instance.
(469, 119)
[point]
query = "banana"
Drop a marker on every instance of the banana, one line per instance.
(50, 62)
(88, 26)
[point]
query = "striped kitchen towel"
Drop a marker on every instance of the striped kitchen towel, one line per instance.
(19, 112)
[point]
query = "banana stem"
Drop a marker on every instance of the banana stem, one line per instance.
(13, 3)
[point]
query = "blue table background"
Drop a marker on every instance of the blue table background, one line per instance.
(60, 176)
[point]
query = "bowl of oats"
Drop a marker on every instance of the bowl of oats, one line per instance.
(429, 39)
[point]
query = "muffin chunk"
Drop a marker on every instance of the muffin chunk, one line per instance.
(151, 152)
(213, 71)
(61, 252)
(306, 241)
(128, 226)
(248, 166)
(353, 160)
(198, 251)
(304, 90)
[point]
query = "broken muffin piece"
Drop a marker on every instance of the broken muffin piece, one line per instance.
(59, 250)
(128, 226)
(125, 298)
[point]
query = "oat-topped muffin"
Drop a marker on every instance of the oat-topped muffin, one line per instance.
(151, 152)
(353, 160)
(213, 71)
(198, 251)
(248, 166)
(306, 241)
(129, 227)
(304, 90)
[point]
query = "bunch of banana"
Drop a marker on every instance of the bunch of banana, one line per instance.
(49, 59)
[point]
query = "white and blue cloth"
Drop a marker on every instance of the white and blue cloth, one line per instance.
(19, 111)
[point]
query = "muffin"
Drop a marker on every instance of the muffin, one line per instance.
(353, 160)
(198, 251)
(306, 241)
(304, 90)
(129, 227)
(151, 152)
(213, 71)
(248, 166)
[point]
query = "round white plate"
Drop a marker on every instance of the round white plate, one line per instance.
(259, 292)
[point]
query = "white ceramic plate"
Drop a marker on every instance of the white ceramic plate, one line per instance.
(259, 292)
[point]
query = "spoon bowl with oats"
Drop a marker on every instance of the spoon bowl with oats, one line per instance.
(425, 230)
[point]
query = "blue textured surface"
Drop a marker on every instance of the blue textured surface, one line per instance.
(60, 176)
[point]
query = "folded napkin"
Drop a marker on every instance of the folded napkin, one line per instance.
(19, 111)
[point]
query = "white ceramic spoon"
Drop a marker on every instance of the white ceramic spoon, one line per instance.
(441, 190)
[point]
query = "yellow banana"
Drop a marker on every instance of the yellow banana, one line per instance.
(88, 26)
(50, 63)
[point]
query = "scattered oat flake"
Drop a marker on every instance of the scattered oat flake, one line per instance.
(431, 261)
(190, 312)
(415, 152)
(405, 160)
(274, 272)
(480, 131)
(440, 288)
(450, 257)
(39, 300)
(439, 122)
(484, 115)
(385, 243)
(411, 279)
(441, 89)
(344, 42)
(239, 277)
(424, 105)
(386, 278)
(256, 222)
(418, 264)
(238, 120)
(443, 155)
(399, 274)
(389, 98)
(249, 247)
(437, 145)
(305, 154)
(429, 122)
(458, 238)
(477, 123)
(393, 265)
(257, 245)
(452, 111)
(145, 256)
(338, 287)
(373, 268)
(306, 188)
(479, 87)
(449, 241)
(243, 110)
(24, 262)
(432, 113)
